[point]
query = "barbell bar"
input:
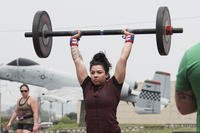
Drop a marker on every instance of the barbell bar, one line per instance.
(100, 32)
(42, 32)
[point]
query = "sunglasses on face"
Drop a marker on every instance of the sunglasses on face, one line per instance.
(23, 91)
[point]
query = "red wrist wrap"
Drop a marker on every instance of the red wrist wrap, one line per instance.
(129, 38)
(73, 42)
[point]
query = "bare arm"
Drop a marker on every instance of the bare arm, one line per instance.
(185, 102)
(13, 117)
(81, 70)
(35, 109)
(120, 70)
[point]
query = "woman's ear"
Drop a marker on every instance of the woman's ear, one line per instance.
(107, 76)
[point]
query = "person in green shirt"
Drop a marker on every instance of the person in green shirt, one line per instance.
(26, 113)
(187, 95)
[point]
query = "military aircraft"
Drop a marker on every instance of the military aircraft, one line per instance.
(151, 99)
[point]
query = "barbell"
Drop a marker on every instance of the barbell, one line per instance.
(42, 32)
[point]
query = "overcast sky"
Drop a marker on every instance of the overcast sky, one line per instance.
(16, 18)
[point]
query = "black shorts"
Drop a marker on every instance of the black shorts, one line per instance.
(24, 126)
(118, 131)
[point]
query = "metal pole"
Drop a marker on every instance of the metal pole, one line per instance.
(62, 109)
(50, 111)
(0, 114)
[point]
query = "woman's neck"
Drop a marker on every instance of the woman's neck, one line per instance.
(25, 97)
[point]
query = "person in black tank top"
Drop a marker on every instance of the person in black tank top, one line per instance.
(100, 91)
(26, 113)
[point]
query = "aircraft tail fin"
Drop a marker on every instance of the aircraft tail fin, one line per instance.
(149, 100)
(164, 79)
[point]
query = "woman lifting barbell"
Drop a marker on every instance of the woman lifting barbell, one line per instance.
(101, 92)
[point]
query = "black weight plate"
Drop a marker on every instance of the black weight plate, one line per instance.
(41, 24)
(163, 40)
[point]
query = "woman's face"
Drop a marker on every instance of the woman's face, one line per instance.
(98, 74)
(24, 91)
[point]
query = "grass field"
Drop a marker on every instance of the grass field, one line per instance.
(125, 128)
(128, 128)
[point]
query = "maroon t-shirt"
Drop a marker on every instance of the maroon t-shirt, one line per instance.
(101, 106)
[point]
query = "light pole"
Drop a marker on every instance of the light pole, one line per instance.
(62, 109)
(0, 113)
(50, 111)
